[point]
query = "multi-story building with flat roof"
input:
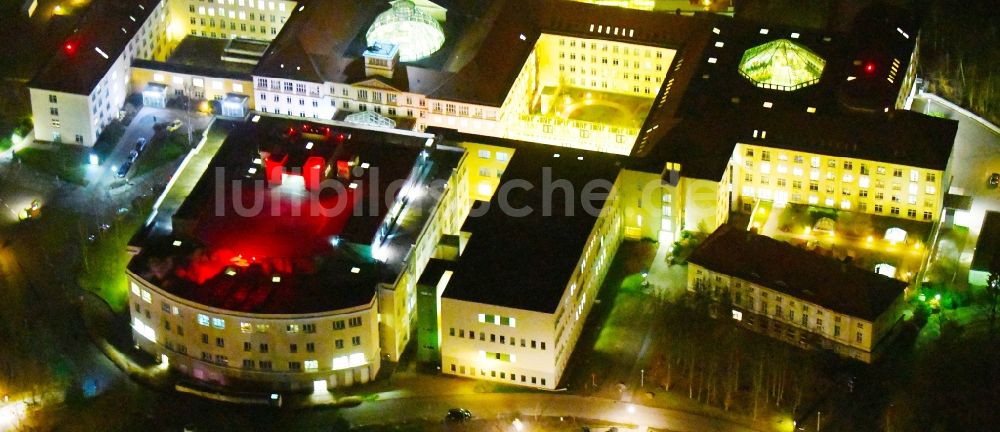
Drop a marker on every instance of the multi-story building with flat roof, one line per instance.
(512, 308)
(83, 86)
(684, 119)
(291, 264)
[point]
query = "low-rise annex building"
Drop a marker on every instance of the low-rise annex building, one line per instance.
(795, 295)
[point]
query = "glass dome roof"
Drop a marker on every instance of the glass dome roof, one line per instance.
(415, 32)
(782, 65)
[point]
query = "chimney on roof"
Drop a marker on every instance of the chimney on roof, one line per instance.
(381, 59)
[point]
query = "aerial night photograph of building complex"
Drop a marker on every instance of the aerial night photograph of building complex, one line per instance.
(500, 215)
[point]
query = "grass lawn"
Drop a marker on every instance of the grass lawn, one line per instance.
(102, 270)
(161, 152)
(108, 139)
(64, 161)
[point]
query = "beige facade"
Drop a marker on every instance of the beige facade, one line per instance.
(524, 347)
(880, 188)
(282, 352)
(398, 301)
(228, 19)
(794, 320)
(193, 86)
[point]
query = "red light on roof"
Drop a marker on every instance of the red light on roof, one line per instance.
(340, 137)
(70, 48)
(869, 67)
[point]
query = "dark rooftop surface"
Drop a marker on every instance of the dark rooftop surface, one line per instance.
(796, 272)
(707, 107)
(198, 55)
(483, 50)
(704, 145)
(526, 262)
(78, 70)
(988, 245)
(311, 241)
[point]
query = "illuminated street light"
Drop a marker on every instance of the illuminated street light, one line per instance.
(94, 159)
(631, 409)
(517, 424)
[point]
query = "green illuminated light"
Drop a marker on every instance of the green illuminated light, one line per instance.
(781, 65)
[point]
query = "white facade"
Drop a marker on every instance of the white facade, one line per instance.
(523, 347)
(80, 118)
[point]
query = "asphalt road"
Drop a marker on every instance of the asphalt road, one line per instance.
(527, 405)
(976, 155)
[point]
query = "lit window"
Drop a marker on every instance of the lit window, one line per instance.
(203, 319)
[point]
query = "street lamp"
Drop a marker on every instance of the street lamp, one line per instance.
(94, 159)
(517, 424)
(631, 409)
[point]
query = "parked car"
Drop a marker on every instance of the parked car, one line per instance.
(994, 179)
(122, 170)
(458, 414)
(174, 125)
(140, 145)
(133, 155)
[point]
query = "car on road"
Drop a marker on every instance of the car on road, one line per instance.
(174, 125)
(31, 212)
(995, 180)
(122, 170)
(458, 414)
(133, 155)
(140, 145)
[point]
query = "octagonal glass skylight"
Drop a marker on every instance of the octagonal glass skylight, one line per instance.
(417, 34)
(781, 65)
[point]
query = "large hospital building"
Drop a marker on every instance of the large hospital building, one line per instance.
(683, 121)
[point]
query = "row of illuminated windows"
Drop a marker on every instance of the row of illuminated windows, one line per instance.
(179, 81)
(248, 3)
(604, 73)
(846, 190)
(462, 110)
(251, 28)
(288, 112)
(845, 204)
(263, 347)
(613, 61)
(864, 179)
(614, 48)
(233, 13)
(471, 371)
(286, 86)
(486, 154)
(498, 320)
(603, 84)
(847, 165)
(501, 339)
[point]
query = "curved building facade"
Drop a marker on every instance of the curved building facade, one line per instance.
(282, 352)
